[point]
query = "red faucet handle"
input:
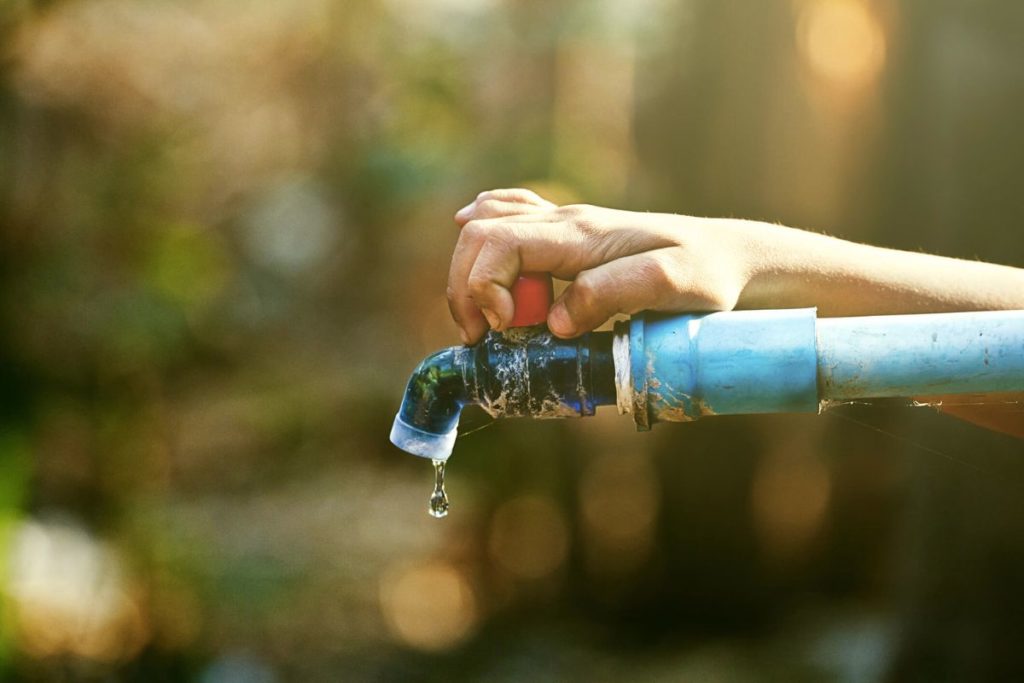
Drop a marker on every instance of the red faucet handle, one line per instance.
(532, 294)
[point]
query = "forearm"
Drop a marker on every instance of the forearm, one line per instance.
(791, 268)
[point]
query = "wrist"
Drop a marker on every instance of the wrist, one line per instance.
(762, 258)
(783, 266)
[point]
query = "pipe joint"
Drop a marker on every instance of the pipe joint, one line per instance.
(682, 367)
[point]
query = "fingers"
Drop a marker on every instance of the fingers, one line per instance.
(563, 241)
(488, 258)
(467, 316)
(468, 319)
(624, 285)
(490, 281)
(495, 208)
(498, 203)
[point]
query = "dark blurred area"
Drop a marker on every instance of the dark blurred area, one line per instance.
(224, 236)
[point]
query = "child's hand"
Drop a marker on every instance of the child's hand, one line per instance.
(619, 261)
(624, 262)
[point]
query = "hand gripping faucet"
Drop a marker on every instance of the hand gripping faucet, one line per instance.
(680, 367)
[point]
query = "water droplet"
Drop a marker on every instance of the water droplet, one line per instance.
(439, 498)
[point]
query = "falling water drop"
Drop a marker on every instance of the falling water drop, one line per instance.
(439, 498)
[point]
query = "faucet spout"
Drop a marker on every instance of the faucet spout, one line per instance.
(439, 387)
(524, 372)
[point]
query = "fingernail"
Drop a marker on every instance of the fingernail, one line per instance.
(559, 320)
(492, 318)
(464, 211)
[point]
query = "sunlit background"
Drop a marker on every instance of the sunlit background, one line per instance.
(224, 236)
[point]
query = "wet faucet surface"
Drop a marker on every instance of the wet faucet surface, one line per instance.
(524, 372)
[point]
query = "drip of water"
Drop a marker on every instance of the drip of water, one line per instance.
(439, 498)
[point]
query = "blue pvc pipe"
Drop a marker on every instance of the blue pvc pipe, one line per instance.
(689, 366)
(671, 368)
(912, 355)
(682, 367)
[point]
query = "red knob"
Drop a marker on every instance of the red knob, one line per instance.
(532, 294)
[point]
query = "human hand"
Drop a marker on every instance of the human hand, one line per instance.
(618, 261)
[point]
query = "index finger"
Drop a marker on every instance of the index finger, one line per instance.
(490, 255)
(517, 199)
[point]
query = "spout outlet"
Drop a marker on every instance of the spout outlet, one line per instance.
(525, 372)
(428, 420)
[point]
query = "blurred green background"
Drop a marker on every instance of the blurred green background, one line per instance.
(224, 236)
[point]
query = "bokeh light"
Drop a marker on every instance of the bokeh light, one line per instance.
(529, 537)
(841, 41)
(619, 501)
(292, 227)
(71, 595)
(789, 500)
(429, 606)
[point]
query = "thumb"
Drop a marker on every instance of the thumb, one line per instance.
(659, 280)
(625, 285)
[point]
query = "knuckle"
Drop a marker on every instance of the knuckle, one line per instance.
(501, 237)
(493, 236)
(473, 231)
(586, 227)
(571, 211)
(586, 292)
(478, 285)
(583, 219)
(488, 207)
(660, 272)
(524, 195)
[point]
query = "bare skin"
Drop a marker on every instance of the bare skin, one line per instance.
(626, 262)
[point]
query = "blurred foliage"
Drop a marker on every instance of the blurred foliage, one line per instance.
(224, 234)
